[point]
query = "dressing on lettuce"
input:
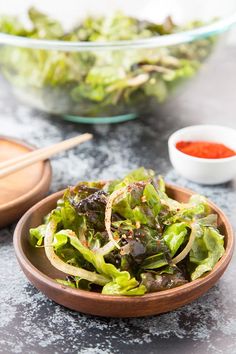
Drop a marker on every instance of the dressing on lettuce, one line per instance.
(128, 237)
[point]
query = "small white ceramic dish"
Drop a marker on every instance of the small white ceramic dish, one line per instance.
(201, 170)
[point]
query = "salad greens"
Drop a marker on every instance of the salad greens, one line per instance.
(128, 237)
(98, 83)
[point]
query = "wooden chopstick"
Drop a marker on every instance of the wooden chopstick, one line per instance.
(13, 165)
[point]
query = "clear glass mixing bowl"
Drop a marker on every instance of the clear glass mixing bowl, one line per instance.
(90, 81)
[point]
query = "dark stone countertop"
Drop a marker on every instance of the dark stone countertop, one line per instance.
(31, 323)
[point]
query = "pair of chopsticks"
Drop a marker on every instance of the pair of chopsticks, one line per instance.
(16, 164)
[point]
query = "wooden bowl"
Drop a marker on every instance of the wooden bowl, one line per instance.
(24, 188)
(41, 274)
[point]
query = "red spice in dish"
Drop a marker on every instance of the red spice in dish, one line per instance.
(205, 149)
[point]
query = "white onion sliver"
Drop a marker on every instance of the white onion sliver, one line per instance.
(108, 213)
(64, 267)
(107, 248)
(187, 248)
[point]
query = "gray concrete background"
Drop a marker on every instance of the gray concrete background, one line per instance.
(31, 323)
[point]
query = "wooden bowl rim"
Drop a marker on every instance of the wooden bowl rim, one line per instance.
(49, 282)
(46, 174)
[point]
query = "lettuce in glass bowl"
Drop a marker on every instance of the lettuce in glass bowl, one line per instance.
(107, 62)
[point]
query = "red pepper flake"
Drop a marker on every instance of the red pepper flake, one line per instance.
(205, 149)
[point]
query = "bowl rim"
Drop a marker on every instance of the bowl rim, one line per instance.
(172, 144)
(49, 282)
(219, 26)
(46, 174)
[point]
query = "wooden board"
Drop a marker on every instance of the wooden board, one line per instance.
(20, 190)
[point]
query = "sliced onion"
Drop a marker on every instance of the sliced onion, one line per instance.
(107, 248)
(64, 267)
(187, 248)
(108, 213)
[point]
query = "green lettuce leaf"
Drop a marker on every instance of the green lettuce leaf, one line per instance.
(12, 25)
(44, 26)
(121, 281)
(59, 241)
(66, 283)
(75, 282)
(196, 208)
(139, 175)
(174, 236)
(140, 204)
(36, 235)
(124, 285)
(206, 251)
(156, 261)
(152, 199)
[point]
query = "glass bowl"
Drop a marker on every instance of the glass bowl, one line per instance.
(110, 81)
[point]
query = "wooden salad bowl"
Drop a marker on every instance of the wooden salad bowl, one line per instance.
(41, 273)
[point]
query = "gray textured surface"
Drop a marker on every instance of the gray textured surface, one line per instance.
(30, 323)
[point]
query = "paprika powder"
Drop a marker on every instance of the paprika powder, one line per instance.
(205, 149)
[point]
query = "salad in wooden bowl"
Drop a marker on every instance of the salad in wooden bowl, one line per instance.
(128, 237)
